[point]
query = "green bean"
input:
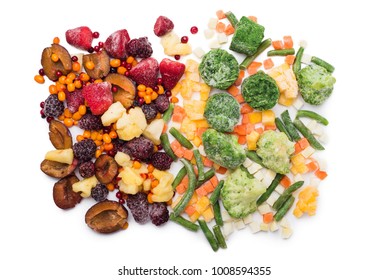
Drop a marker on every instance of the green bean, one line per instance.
(216, 192)
(167, 115)
(189, 191)
(207, 175)
(200, 165)
(289, 126)
(218, 214)
(284, 208)
(232, 18)
(312, 115)
(297, 61)
(219, 236)
(307, 134)
(270, 189)
(209, 235)
(283, 52)
(180, 175)
(281, 127)
(261, 48)
(323, 64)
(184, 222)
(166, 146)
(180, 138)
(285, 195)
(254, 157)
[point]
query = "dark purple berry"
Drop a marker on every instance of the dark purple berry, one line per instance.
(53, 107)
(99, 192)
(90, 122)
(162, 102)
(139, 48)
(161, 160)
(150, 111)
(84, 150)
(87, 169)
(159, 214)
(139, 207)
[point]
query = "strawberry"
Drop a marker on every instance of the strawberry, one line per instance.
(116, 43)
(145, 72)
(171, 72)
(74, 100)
(98, 97)
(80, 37)
(162, 26)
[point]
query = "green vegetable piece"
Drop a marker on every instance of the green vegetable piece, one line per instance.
(184, 222)
(190, 190)
(262, 47)
(168, 113)
(209, 235)
(180, 175)
(308, 134)
(322, 63)
(180, 138)
(315, 83)
(275, 149)
(216, 192)
(232, 18)
(223, 149)
(200, 164)
(270, 189)
(283, 52)
(312, 115)
(284, 209)
(297, 61)
(254, 157)
(166, 146)
(281, 127)
(247, 37)
(222, 112)
(218, 214)
(292, 131)
(207, 176)
(219, 236)
(240, 193)
(285, 195)
(260, 91)
(219, 69)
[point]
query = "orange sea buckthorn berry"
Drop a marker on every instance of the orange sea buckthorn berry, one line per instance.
(54, 57)
(106, 138)
(53, 89)
(113, 134)
(39, 79)
(86, 134)
(76, 66)
(154, 95)
(56, 40)
(160, 89)
(62, 80)
(79, 138)
(98, 153)
(174, 99)
(62, 97)
(71, 87)
(89, 65)
(98, 81)
(77, 84)
(149, 90)
(147, 99)
(84, 77)
(141, 88)
(82, 110)
(77, 116)
(130, 59)
(136, 164)
(68, 122)
(121, 70)
(108, 146)
(115, 63)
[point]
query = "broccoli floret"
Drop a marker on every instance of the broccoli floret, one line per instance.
(222, 112)
(223, 149)
(275, 149)
(219, 69)
(315, 83)
(260, 91)
(240, 193)
(247, 37)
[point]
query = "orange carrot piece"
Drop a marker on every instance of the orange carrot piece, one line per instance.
(220, 27)
(246, 108)
(220, 14)
(240, 129)
(289, 59)
(190, 210)
(259, 130)
(188, 154)
(288, 42)
(175, 145)
(165, 127)
(181, 188)
(249, 128)
(221, 170)
(312, 166)
(200, 131)
(303, 142)
(253, 18)
(229, 30)
(321, 174)
(239, 80)
(178, 114)
(285, 182)
(239, 98)
(207, 162)
(245, 118)
(268, 63)
(214, 181)
(253, 67)
(201, 191)
(242, 139)
(233, 90)
(208, 187)
(297, 148)
(185, 180)
(270, 127)
(268, 218)
(277, 44)
(179, 152)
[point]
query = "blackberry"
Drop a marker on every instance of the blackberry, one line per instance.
(99, 192)
(159, 214)
(84, 150)
(161, 160)
(150, 111)
(162, 103)
(90, 122)
(139, 148)
(139, 48)
(53, 107)
(87, 169)
(139, 207)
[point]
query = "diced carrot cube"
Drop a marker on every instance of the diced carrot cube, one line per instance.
(178, 113)
(321, 174)
(297, 148)
(175, 145)
(207, 162)
(165, 127)
(179, 152)
(214, 181)
(229, 30)
(285, 182)
(312, 166)
(245, 119)
(288, 42)
(181, 188)
(238, 81)
(253, 18)
(289, 59)
(239, 98)
(220, 27)
(233, 90)
(259, 130)
(201, 191)
(185, 180)
(253, 67)
(268, 218)
(270, 127)
(190, 210)
(249, 128)
(242, 139)
(268, 63)
(246, 108)
(208, 186)
(188, 154)
(240, 129)
(221, 170)
(220, 14)
(303, 142)
(277, 45)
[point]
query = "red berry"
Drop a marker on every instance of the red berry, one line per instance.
(119, 195)
(96, 48)
(58, 73)
(121, 201)
(184, 39)
(177, 57)
(101, 44)
(74, 58)
(194, 30)
(96, 35)
(114, 89)
(90, 50)
(49, 119)
(41, 72)
(159, 81)
(42, 104)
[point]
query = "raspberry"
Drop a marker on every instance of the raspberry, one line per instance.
(87, 169)
(150, 111)
(161, 160)
(139, 48)
(84, 150)
(53, 107)
(90, 122)
(139, 207)
(159, 214)
(99, 192)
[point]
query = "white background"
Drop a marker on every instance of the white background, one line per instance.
(346, 239)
